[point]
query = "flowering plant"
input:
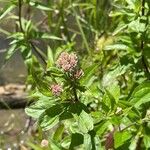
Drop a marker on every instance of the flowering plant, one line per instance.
(90, 89)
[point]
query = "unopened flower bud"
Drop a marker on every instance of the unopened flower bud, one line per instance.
(44, 143)
(56, 89)
(78, 74)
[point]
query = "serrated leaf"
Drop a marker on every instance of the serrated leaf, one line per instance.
(85, 122)
(46, 122)
(121, 137)
(141, 94)
(39, 107)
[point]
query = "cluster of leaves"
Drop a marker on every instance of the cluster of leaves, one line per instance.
(109, 107)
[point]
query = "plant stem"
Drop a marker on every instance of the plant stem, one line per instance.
(63, 21)
(72, 84)
(22, 30)
(142, 44)
(75, 93)
(19, 14)
(140, 140)
(81, 30)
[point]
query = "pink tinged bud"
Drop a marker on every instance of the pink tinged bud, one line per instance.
(44, 143)
(56, 89)
(78, 74)
(67, 61)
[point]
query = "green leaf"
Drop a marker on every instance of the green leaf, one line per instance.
(6, 10)
(137, 26)
(52, 37)
(66, 142)
(77, 108)
(116, 46)
(87, 142)
(85, 122)
(58, 133)
(121, 137)
(76, 140)
(50, 57)
(54, 71)
(10, 52)
(113, 92)
(55, 110)
(54, 145)
(120, 27)
(39, 107)
(50, 117)
(88, 74)
(34, 146)
(46, 122)
(111, 96)
(146, 140)
(40, 6)
(141, 94)
(102, 127)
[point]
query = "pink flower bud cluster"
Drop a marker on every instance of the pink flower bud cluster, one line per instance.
(78, 74)
(56, 89)
(44, 143)
(67, 61)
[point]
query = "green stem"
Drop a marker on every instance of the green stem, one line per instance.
(19, 14)
(140, 140)
(72, 84)
(63, 21)
(144, 62)
(75, 93)
(81, 30)
(22, 30)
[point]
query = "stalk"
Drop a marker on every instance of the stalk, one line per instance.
(144, 62)
(22, 30)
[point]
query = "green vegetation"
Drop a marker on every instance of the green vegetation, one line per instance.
(107, 106)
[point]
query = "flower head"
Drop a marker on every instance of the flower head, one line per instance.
(67, 61)
(78, 74)
(44, 143)
(56, 89)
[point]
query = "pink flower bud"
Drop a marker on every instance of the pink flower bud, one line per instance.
(67, 61)
(78, 74)
(56, 89)
(44, 143)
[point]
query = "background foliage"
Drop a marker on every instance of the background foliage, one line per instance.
(111, 39)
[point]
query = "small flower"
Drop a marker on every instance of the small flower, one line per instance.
(67, 61)
(78, 74)
(44, 143)
(56, 89)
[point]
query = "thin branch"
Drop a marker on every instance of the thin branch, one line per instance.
(22, 30)
(34, 48)
(19, 14)
(142, 43)
(75, 93)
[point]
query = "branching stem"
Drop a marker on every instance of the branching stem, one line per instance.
(146, 69)
(22, 30)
